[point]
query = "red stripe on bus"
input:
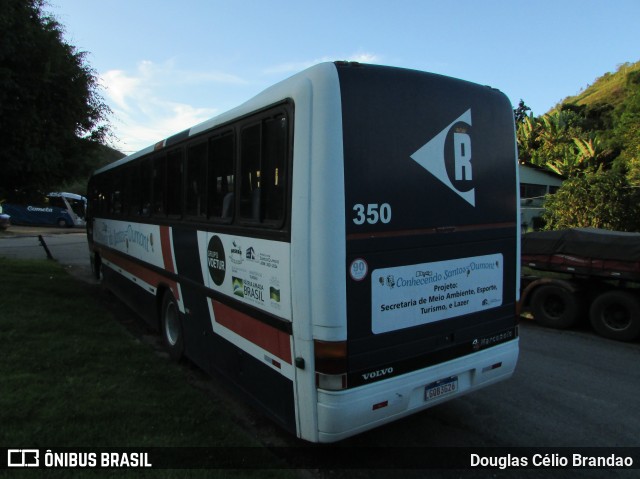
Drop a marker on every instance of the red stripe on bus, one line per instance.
(165, 244)
(145, 274)
(429, 231)
(267, 337)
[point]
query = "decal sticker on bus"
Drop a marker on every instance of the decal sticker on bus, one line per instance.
(413, 295)
(251, 270)
(135, 239)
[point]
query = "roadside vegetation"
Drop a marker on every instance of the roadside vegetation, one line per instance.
(593, 141)
(54, 123)
(73, 376)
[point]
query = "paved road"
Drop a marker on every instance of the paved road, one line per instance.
(68, 246)
(570, 389)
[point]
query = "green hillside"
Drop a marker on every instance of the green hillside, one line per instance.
(597, 128)
(592, 139)
(610, 88)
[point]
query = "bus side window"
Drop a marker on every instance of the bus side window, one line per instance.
(140, 189)
(116, 194)
(273, 166)
(105, 197)
(197, 181)
(145, 188)
(250, 187)
(221, 179)
(159, 173)
(263, 170)
(135, 192)
(174, 183)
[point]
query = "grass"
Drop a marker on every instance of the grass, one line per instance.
(72, 376)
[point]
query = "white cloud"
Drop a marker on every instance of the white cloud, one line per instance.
(294, 67)
(145, 105)
(156, 100)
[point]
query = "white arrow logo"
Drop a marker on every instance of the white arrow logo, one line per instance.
(431, 158)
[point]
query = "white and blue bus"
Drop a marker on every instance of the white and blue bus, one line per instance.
(343, 247)
(55, 209)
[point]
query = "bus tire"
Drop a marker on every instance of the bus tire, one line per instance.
(555, 307)
(171, 326)
(615, 315)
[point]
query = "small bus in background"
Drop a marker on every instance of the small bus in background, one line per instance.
(5, 219)
(343, 248)
(55, 209)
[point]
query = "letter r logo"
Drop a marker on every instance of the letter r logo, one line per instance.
(462, 156)
(431, 157)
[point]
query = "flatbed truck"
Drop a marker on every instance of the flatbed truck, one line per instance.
(569, 274)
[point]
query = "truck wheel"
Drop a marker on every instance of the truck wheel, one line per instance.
(554, 306)
(171, 327)
(616, 315)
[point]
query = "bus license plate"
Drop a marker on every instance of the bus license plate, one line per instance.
(441, 388)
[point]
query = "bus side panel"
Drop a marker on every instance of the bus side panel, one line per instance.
(267, 390)
(37, 215)
(220, 338)
(235, 341)
(196, 324)
(118, 280)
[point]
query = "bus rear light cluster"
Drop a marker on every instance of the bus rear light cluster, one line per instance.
(379, 405)
(331, 382)
(331, 364)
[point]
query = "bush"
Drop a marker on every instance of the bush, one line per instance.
(598, 199)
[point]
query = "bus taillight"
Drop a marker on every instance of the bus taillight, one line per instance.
(331, 364)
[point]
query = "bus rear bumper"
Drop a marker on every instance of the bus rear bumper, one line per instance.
(342, 414)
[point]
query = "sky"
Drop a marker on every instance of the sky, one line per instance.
(166, 65)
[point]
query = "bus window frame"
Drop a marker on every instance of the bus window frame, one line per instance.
(107, 182)
(283, 110)
(215, 135)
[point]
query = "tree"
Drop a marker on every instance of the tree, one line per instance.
(520, 113)
(52, 118)
(627, 128)
(559, 142)
(594, 141)
(595, 198)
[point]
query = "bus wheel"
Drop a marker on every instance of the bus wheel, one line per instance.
(171, 326)
(616, 315)
(555, 307)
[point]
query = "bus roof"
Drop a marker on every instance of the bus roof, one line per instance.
(73, 196)
(275, 93)
(317, 76)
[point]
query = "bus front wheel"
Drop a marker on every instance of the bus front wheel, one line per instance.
(171, 326)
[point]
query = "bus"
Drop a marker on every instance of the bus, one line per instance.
(343, 247)
(54, 209)
(76, 205)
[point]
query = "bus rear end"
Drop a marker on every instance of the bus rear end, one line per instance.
(431, 245)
